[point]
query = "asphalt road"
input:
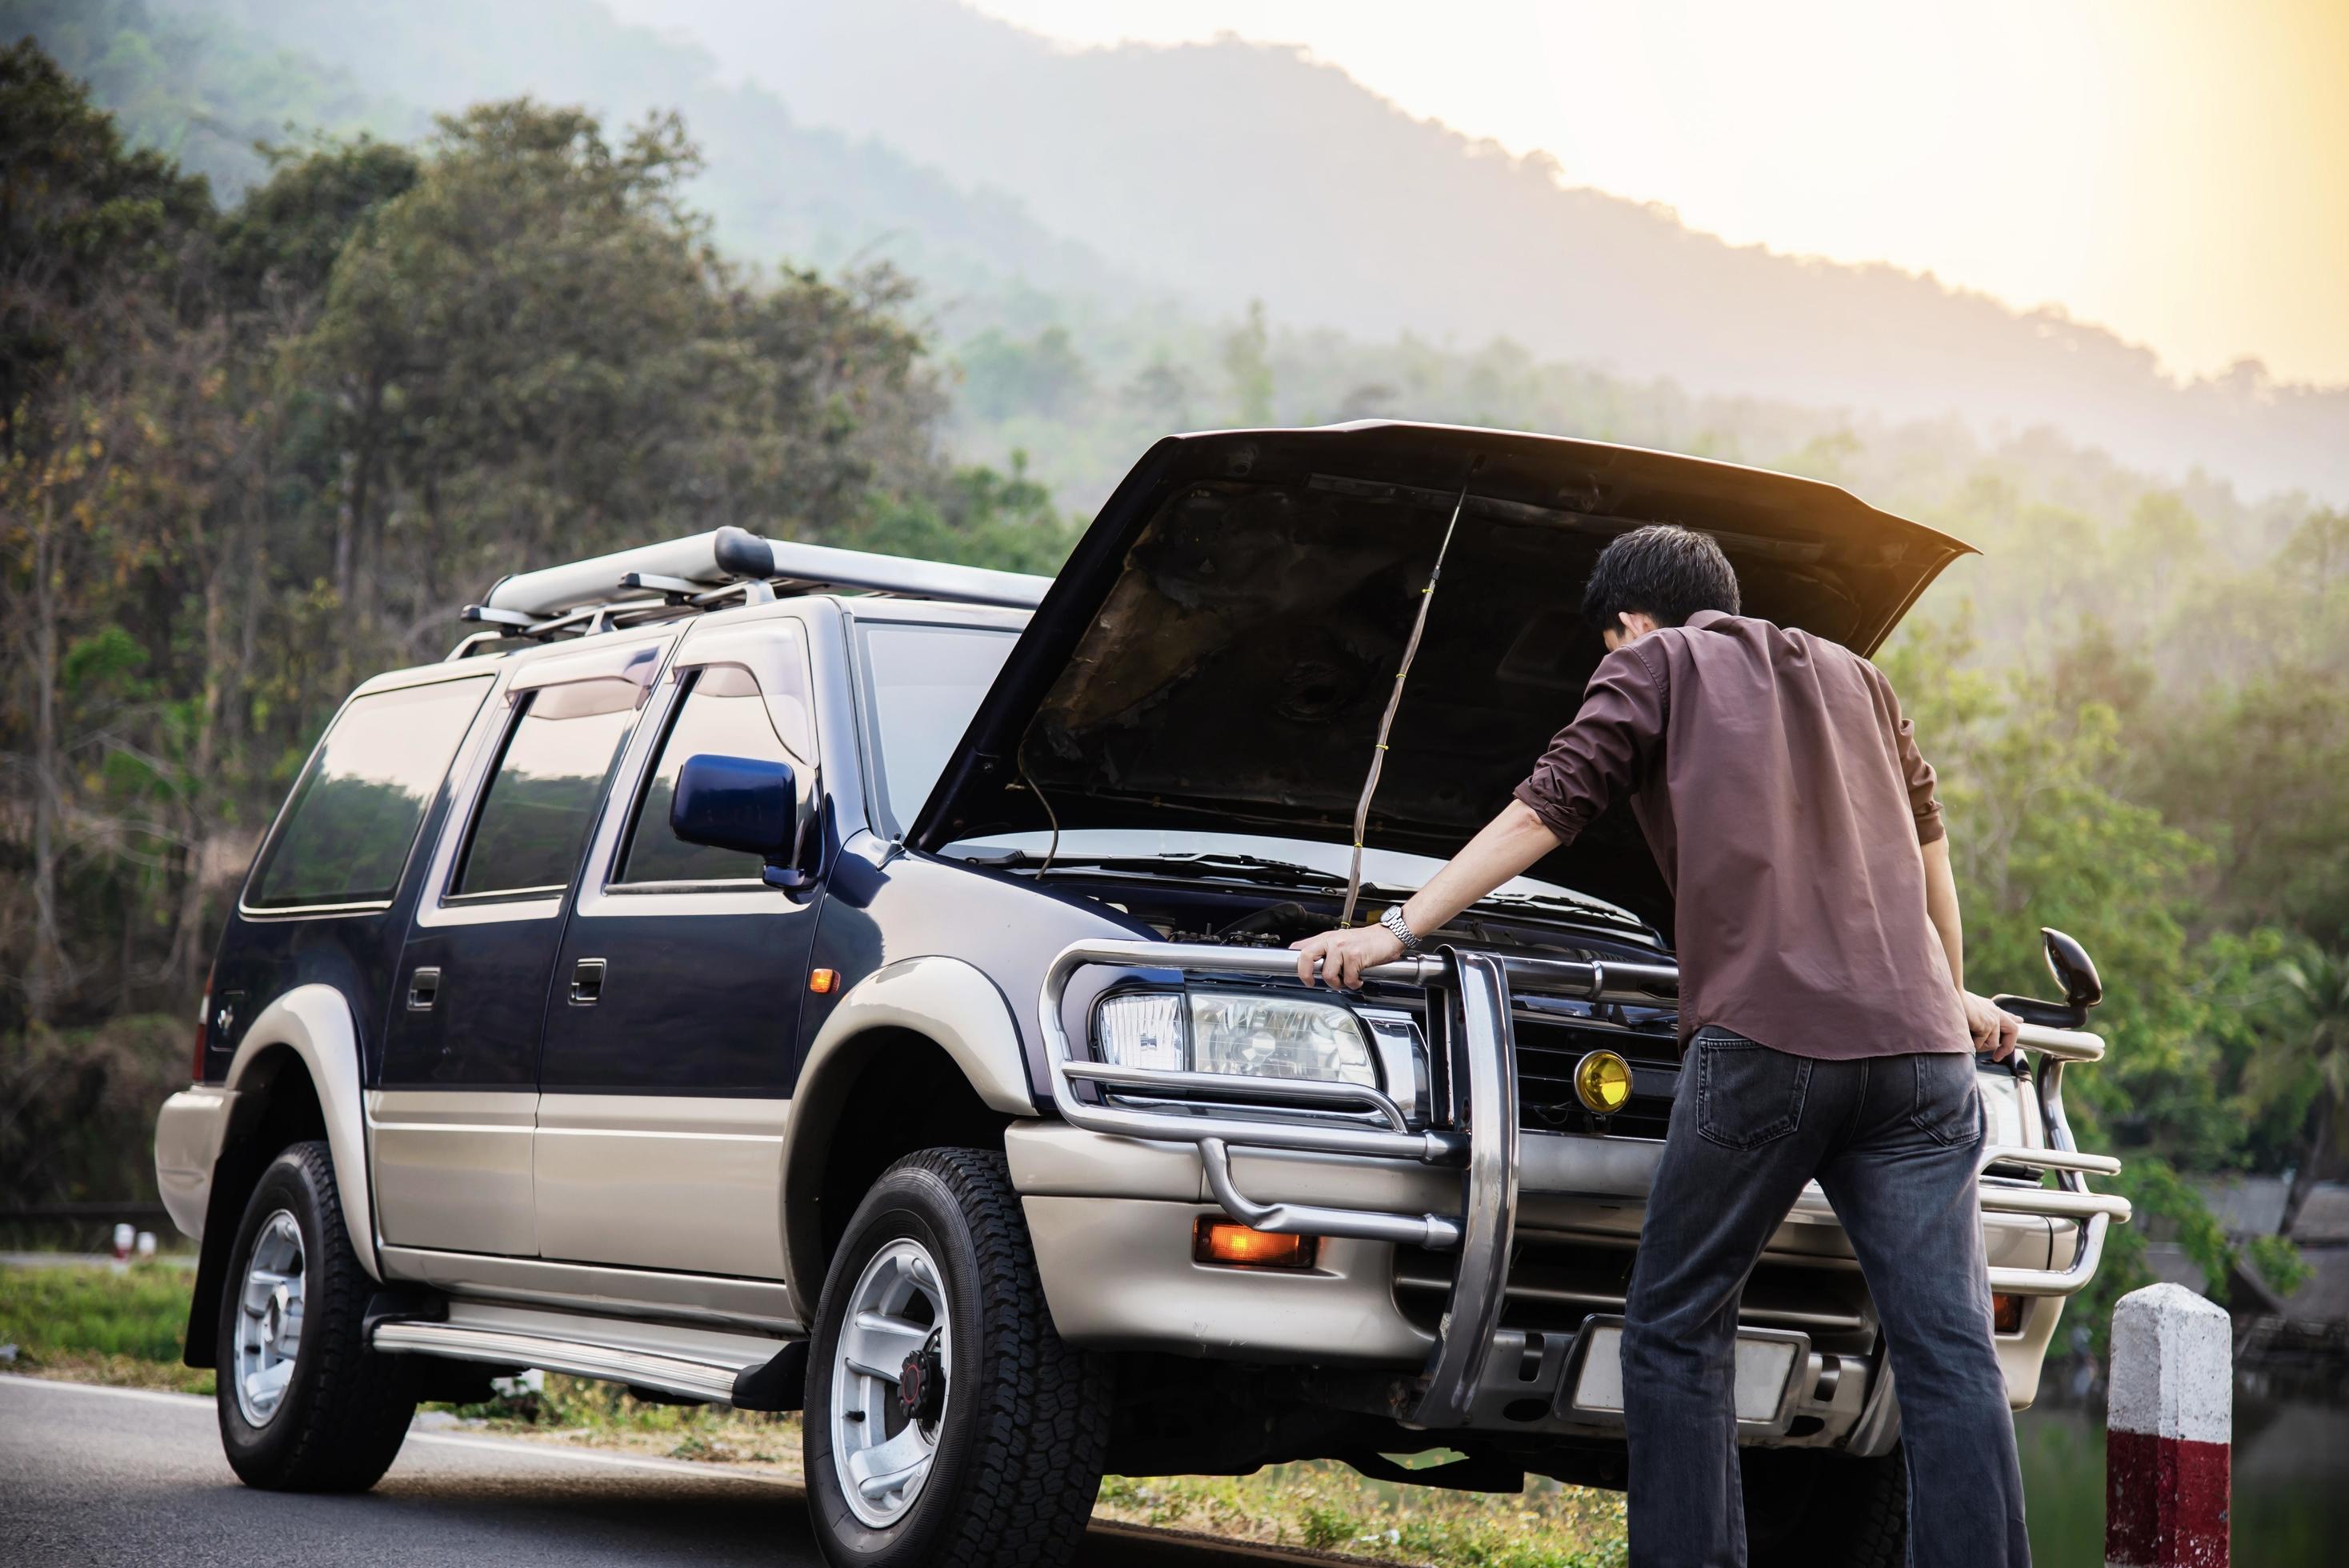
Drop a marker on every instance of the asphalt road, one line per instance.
(91, 1475)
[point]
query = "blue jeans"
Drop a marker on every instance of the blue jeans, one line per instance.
(1893, 1142)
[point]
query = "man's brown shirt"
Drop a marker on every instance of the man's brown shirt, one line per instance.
(1785, 799)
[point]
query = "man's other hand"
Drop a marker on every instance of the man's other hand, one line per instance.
(1342, 956)
(1993, 1031)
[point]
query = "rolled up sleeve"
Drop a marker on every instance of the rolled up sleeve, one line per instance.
(1606, 751)
(1924, 797)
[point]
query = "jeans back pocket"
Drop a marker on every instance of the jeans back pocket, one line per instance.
(1948, 1106)
(1747, 1094)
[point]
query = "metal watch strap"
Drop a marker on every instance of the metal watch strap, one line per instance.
(1399, 928)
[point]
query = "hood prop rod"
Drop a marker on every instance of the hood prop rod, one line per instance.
(1394, 701)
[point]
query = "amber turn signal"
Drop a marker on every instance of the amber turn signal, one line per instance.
(2006, 1313)
(1602, 1082)
(1220, 1242)
(823, 982)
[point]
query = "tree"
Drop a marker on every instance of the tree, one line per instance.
(1247, 363)
(1161, 393)
(1003, 377)
(2317, 1065)
(91, 238)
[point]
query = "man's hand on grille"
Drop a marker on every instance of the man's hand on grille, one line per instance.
(1340, 957)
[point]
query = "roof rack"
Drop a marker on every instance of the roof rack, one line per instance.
(715, 571)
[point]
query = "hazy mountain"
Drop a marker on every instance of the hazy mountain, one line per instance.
(779, 188)
(1235, 171)
(1136, 196)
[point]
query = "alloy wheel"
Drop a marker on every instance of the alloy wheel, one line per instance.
(889, 1382)
(269, 1327)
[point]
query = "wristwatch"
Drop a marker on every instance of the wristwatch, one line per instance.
(1399, 929)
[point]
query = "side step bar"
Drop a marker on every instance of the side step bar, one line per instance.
(717, 1369)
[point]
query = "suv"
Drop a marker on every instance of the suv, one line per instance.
(762, 974)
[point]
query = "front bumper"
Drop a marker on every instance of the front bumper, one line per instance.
(1474, 1222)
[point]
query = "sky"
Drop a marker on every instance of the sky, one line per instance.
(2175, 169)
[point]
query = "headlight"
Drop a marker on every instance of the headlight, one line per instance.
(1142, 1029)
(1249, 1035)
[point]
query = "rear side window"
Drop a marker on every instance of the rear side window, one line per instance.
(724, 714)
(354, 812)
(534, 820)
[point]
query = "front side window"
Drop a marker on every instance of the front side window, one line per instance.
(354, 813)
(924, 684)
(724, 714)
(532, 822)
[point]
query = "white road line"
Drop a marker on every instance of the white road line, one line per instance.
(155, 1395)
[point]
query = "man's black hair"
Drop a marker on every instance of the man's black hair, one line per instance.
(1661, 571)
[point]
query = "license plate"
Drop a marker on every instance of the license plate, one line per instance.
(1763, 1369)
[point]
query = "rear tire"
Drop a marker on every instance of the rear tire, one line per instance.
(1810, 1508)
(936, 1274)
(305, 1404)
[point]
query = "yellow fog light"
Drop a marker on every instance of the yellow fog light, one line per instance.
(1602, 1082)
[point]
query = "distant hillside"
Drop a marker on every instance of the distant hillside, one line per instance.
(1138, 198)
(1234, 170)
(777, 188)
(201, 90)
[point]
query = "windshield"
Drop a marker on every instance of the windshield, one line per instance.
(922, 684)
(1391, 871)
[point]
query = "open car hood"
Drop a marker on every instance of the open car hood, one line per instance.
(1218, 650)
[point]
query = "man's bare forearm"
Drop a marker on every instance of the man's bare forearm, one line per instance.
(1942, 907)
(1502, 849)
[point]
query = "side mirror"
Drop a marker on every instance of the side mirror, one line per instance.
(2072, 969)
(744, 804)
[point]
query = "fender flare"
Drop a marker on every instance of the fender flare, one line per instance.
(948, 1000)
(315, 1023)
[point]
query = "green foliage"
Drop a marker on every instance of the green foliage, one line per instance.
(1045, 376)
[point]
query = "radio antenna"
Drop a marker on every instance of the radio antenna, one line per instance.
(1394, 701)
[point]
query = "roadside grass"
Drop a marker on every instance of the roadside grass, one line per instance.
(123, 1325)
(109, 1324)
(1330, 1508)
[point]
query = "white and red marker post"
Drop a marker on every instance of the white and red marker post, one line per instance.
(2168, 1423)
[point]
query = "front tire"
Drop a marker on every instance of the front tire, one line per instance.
(947, 1423)
(1811, 1508)
(305, 1404)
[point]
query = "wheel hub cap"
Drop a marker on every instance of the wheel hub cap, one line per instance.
(921, 1383)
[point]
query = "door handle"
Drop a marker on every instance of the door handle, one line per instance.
(587, 983)
(423, 990)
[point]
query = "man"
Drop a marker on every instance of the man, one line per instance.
(1825, 1024)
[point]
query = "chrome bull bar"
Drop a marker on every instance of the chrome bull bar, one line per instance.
(1217, 1112)
(2093, 1213)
